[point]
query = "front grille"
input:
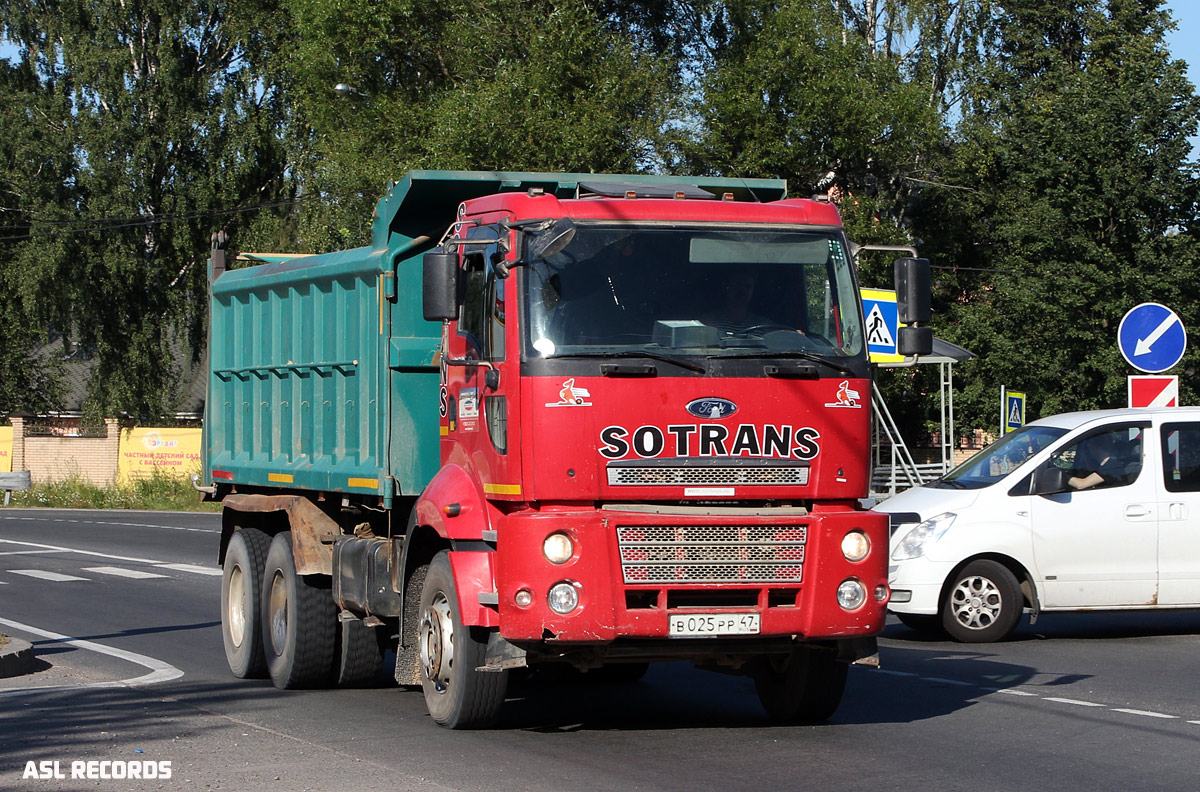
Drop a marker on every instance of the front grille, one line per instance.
(707, 473)
(682, 554)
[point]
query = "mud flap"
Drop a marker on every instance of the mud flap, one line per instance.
(502, 655)
(859, 651)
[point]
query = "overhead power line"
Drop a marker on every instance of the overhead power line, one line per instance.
(100, 224)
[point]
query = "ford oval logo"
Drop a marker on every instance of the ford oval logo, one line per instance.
(711, 407)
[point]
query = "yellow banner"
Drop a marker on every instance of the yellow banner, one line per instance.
(172, 452)
(5, 449)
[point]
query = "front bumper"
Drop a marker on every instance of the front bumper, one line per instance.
(744, 562)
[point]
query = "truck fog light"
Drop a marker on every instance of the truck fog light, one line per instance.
(563, 598)
(855, 546)
(558, 548)
(523, 598)
(881, 593)
(851, 594)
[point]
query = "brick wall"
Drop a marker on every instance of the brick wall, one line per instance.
(92, 459)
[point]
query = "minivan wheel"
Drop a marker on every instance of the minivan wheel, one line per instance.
(984, 604)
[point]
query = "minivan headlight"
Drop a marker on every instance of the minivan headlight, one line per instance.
(913, 543)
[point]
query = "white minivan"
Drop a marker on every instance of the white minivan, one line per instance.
(1081, 511)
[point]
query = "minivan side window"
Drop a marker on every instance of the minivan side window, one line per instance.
(1181, 457)
(1109, 457)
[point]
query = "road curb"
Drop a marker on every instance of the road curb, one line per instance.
(16, 658)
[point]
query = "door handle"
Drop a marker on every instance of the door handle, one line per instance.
(1178, 511)
(1135, 510)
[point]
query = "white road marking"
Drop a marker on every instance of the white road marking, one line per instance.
(199, 570)
(137, 574)
(24, 552)
(81, 552)
(159, 671)
(1013, 692)
(41, 574)
(1147, 713)
(1076, 702)
(110, 522)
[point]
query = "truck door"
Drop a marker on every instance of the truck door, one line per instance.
(1179, 514)
(1098, 546)
(479, 396)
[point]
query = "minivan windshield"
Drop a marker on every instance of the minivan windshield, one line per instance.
(999, 459)
(693, 292)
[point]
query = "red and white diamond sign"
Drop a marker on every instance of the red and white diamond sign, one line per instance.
(1153, 391)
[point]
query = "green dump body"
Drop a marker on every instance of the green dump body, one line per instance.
(323, 373)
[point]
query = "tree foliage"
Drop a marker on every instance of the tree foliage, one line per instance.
(1038, 152)
(1072, 197)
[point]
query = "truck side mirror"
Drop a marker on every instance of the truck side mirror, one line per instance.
(553, 239)
(914, 341)
(439, 286)
(913, 290)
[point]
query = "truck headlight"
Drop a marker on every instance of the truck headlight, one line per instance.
(558, 548)
(563, 598)
(912, 545)
(855, 546)
(851, 594)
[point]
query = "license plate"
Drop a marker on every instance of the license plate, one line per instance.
(693, 624)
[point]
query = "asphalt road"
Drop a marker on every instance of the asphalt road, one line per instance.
(1081, 702)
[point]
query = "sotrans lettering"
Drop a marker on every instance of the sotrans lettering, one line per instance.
(706, 440)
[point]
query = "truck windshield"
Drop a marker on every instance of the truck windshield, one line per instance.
(1000, 458)
(693, 292)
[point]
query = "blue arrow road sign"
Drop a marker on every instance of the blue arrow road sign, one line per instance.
(1151, 337)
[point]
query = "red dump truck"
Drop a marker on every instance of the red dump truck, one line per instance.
(580, 419)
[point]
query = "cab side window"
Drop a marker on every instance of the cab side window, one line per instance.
(1109, 457)
(1181, 457)
(481, 318)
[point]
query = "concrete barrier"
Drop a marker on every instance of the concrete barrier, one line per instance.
(17, 480)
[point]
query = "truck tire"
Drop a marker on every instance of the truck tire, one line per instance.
(361, 655)
(241, 603)
(299, 621)
(984, 604)
(805, 685)
(456, 695)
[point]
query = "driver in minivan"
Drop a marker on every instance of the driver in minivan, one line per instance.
(1103, 460)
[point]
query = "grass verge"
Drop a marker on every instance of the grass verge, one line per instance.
(157, 493)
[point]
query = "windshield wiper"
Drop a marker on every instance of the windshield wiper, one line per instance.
(634, 353)
(793, 354)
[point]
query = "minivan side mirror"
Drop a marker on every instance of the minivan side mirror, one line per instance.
(1048, 480)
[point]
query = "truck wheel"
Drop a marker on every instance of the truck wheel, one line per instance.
(984, 604)
(805, 685)
(457, 696)
(299, 621)
(241, 603)
(361, 656)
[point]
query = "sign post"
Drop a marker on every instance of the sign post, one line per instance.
(1012, 410)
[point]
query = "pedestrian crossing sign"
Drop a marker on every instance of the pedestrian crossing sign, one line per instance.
(882, 324)
(1014, 410)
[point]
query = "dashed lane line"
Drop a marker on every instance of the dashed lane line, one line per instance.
(160, 671)
(41, 574)
(136, 574)
(1027, 694)
(111, 522)
(193, 568)
(199, 570)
